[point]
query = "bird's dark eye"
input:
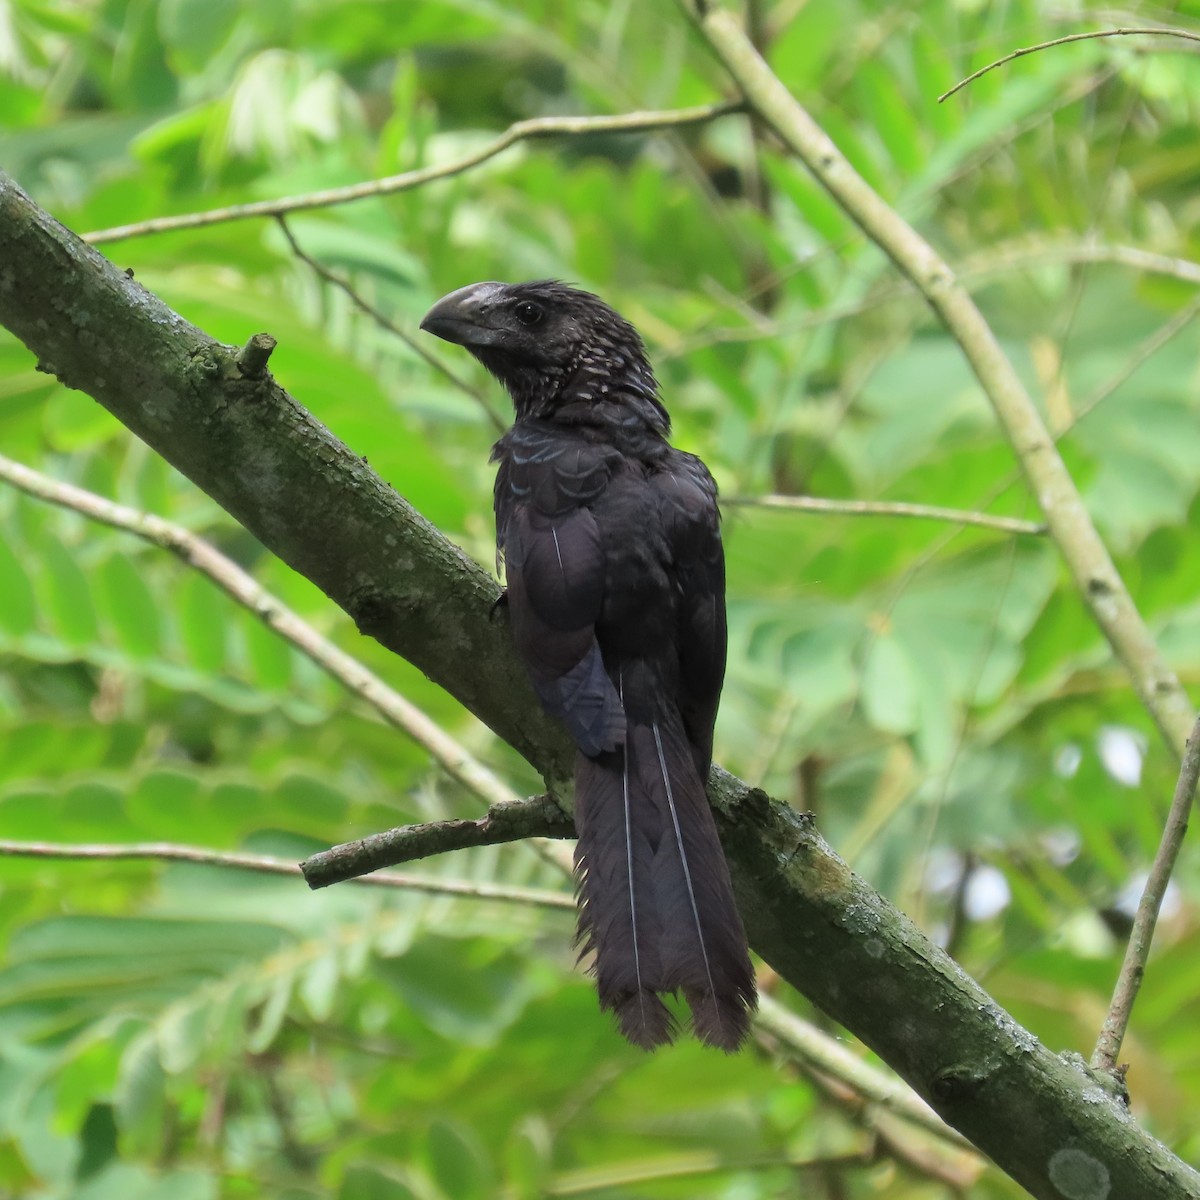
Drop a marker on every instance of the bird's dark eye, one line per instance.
(527, 313)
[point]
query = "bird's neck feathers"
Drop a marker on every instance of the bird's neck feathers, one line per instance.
(605, 387)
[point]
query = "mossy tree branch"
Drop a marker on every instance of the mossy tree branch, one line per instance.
(242, 439)
(313, 502)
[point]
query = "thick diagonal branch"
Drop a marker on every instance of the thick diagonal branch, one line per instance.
(243, 440)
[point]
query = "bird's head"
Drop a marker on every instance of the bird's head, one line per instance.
(562, 353)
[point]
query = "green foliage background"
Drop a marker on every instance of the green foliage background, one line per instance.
(937, 695)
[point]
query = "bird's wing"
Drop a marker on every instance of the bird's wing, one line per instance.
(555, 570)
(692, 521)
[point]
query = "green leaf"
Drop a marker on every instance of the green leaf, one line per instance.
(18, 608)
(75, 422)
(890, 689)
(182, 1036)
(319, 986)
(15, 1173)
(271, 1016)
(464, 992)
(270, 657)
(141, 1088)
(68, 596)
(457, 1162)
(168, 804)
(195, 30)
(528, 1157)
(130, 607)
(202, 611)
(98, 1141)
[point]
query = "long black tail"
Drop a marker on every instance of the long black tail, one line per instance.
(657, 905)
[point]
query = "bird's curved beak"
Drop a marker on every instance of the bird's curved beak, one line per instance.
(464, 316)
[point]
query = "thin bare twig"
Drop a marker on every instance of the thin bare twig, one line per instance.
(249, 593)
(1035, 253)
(536, 127)
(888, 508)
(1137, 951)
(385, 322)
(538, 816)
(1062, 41)
(174, 852)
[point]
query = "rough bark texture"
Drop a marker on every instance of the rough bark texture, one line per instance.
(1046, 1121)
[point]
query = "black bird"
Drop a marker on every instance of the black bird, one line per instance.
(616, 591)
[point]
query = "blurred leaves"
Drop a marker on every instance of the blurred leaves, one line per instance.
(936, 695)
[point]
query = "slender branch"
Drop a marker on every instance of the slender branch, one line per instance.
(538, 816)
(1137, 951)
(385, 322)
(536, 127)
(1062, 41)
(1037, 253)
(265, 863)
(248, 592)
(1085, 554)
(888, 508)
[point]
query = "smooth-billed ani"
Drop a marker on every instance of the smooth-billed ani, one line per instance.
(616, 591)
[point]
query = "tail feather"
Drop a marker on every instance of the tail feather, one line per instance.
(657, 904)
(618, 919)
